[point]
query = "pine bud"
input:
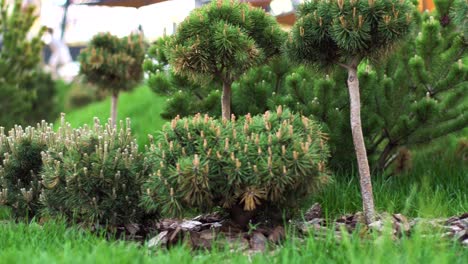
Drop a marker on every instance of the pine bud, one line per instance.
(408, 18)
(196, 161)
(238, 164)
(387, 19)
(295, 155)
(343, 21)
(340, 4)
(178, 168)
(279, 111)
(226, 144)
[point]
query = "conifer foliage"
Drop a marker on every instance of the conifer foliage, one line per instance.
(20, 167)
(255, 163)
(94, 175)
(344, 32)
(221, 41)
(23, 85)
(187, 97)
(113, 64)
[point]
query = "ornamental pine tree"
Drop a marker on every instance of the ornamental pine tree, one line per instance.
(344, 32)
(257, 164)
(221, 41)
(20, 57)
(93, 175)
(113, 64)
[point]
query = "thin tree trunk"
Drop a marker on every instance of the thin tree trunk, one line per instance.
(114, 101)
(226, 101)
(359, 146)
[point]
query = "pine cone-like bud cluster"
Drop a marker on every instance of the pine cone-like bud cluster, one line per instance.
(200, 163)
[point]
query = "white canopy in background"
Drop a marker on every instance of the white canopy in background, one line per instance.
(86, 21)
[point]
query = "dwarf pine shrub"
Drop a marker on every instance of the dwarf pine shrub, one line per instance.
(20, 165)
(93, 175)
(200, 163)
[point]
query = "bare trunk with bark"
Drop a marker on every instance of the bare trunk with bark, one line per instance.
(359, 145)
(114, 101)
(226, 100)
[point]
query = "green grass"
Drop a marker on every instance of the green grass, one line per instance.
(55, 243)
(141, 105)
(435, 187)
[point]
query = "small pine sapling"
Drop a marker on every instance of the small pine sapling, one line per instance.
(113, 64)
(344, 32)
(221, 41)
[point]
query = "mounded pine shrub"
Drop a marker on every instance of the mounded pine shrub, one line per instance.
(94, 175)
(20, 157)
(246, 166)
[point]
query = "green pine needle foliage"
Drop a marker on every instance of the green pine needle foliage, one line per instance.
(93, 175)
(23, 84)
(112, 63)
(271, 160)
(330, 32)
(222, 40)
(408, 99)
(186, 96)
(459, 15)
(21, 163)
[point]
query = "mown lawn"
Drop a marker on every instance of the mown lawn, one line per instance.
(55, 243)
